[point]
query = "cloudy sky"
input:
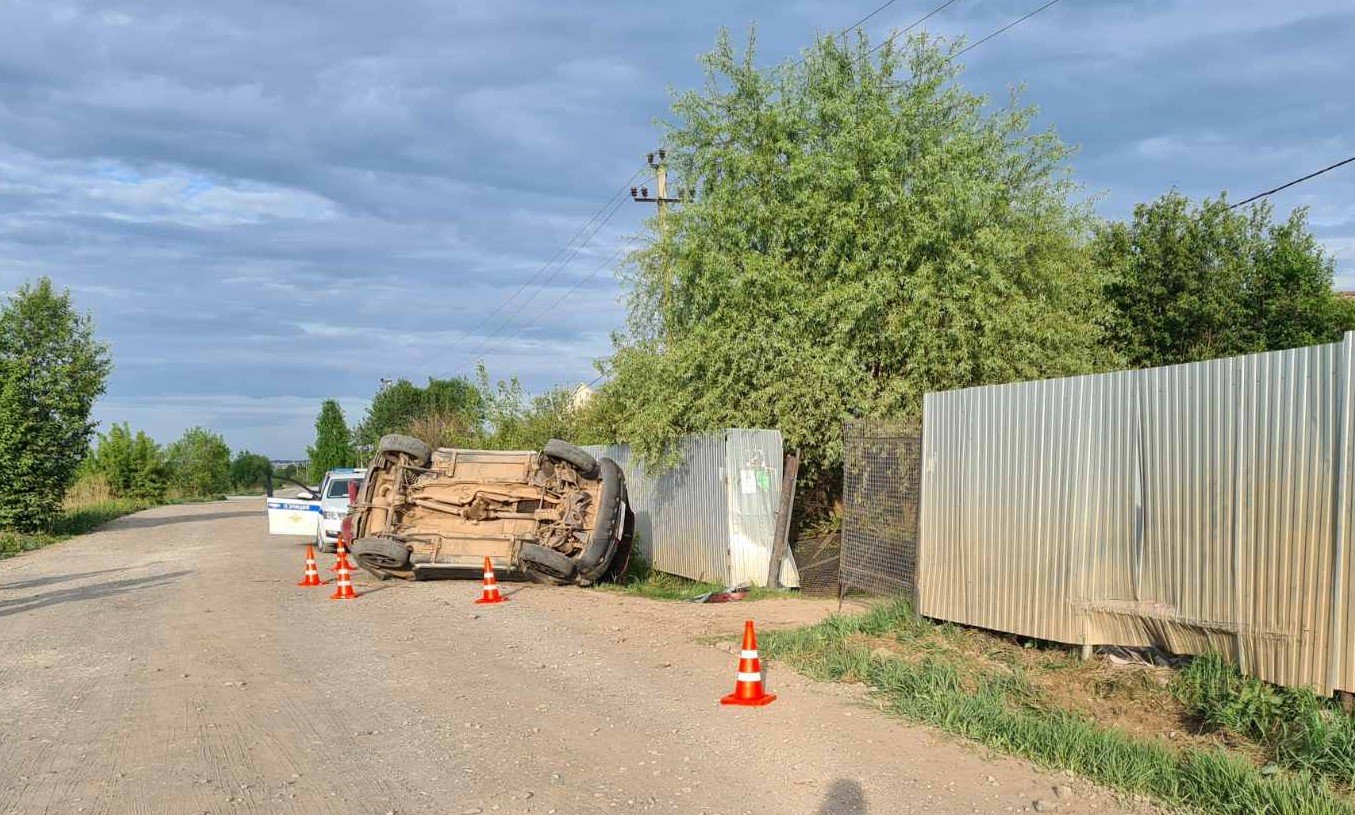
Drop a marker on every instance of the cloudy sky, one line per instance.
(265, 204)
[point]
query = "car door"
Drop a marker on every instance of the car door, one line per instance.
(293, 516)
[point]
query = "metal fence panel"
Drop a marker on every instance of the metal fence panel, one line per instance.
(753, 465)
(880, 486)
(710, 517)
(1199, 507)
(681, 513)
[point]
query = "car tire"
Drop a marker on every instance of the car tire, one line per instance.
(380, 554)
(602, 546)
(573, 455)
(322, 544)
(545, 579)
(620, 564)
(545, 565)
(410, 446)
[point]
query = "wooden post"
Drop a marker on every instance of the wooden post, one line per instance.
(790, 473)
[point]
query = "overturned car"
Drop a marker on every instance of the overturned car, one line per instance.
(556, 516)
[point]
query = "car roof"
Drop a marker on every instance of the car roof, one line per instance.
(345, 472)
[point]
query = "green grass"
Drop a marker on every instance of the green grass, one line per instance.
(71, 522)
(1004, 711)
(1297, 729)
(642, 580)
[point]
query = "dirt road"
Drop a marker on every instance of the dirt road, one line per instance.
(169, 664)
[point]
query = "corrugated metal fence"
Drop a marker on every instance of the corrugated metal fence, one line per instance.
(711, 516)
(1201, 507)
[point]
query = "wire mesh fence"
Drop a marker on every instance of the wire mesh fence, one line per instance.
(882, 489)
(818, 559)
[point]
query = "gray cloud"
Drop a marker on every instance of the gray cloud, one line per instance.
(267, 204)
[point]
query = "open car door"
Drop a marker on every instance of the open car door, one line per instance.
(294, 516)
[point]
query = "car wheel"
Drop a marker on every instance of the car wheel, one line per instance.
(601, 548)
(381, 553)
(545, 579)
(545, 565)
(577, 457)
(323, 544)
(410, 446)
(624, 548)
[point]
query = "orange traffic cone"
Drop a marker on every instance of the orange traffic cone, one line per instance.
(343, 587)
(312, 576)
(340, 554)
(748, 688)
(491, 587)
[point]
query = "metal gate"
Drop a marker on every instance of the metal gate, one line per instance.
(881, 496)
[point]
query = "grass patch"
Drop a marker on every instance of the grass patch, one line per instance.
(72, 521)
(1298, 729)
(642, 580)
(999, 705)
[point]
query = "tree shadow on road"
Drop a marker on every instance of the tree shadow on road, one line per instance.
(56, 578)
(96, 591)
(144, 522)
(845, 797)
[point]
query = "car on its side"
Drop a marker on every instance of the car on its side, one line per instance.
(555, 516)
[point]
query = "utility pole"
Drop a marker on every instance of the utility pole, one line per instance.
(641, 195)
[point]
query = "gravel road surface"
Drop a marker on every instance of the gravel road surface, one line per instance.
(169, 664)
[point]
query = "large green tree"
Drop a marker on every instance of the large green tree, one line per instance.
(51, 371)
(860, 230)
(1190, 282)
(333, 443)
(395, 406)
(133, 465)
(199, 463)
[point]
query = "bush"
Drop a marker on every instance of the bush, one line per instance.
(250, 471)
(199, 463)
(133, 466)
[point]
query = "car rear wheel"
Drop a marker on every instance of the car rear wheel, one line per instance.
(579, 458)
(381, 554)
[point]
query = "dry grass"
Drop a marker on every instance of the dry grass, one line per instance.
(74, 520)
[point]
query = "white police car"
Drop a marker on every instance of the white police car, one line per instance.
(318, 512)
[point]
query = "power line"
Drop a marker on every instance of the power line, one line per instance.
(466, 332)
(1008, 26)
(466, 359)
(919, 21)
(867, 18)
(1287, 185)
(626, 244)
